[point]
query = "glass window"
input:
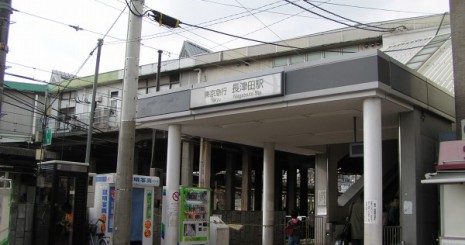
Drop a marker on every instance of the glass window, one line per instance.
(295, 59)
(349, 50)
(280, 61)
(332, 53)
(314, 56)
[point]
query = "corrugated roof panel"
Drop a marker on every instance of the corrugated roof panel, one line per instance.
(403, 52)
(438, 68)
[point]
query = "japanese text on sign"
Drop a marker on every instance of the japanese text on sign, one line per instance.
(371, 207)
(252, 88)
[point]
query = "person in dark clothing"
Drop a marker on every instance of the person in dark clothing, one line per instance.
(357, 221)
(393, 213)
(293, 229)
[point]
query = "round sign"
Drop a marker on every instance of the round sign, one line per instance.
(176, 196)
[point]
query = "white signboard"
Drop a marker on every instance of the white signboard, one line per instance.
(247, 89)
(408, 207)
(371, 207)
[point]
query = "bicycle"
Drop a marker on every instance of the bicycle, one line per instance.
(101, 238)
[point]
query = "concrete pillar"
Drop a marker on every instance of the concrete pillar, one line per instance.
(258, 188)
(187, 162)
(268, 194)
(278, 186)
(457, 18)
(229, 179)
(321, 189)
(172, 183)
(418, 136)
(303, 205)
(205, 163)
(372, 167)
(246, 181)
(291, 203)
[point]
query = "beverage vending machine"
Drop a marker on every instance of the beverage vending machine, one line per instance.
(142, 219)
(194, 216)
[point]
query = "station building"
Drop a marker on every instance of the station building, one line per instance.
(271, 129)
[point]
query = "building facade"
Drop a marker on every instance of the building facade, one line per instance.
(252, 116)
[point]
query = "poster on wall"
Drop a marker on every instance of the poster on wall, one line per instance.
(194, 215)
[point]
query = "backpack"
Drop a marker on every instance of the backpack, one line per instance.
(292, 229)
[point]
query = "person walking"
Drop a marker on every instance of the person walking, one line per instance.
(357, 221)
(293, 229)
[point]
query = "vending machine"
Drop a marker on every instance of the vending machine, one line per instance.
(142, 220)
(194, 216)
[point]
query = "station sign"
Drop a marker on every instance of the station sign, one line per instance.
(238, 91)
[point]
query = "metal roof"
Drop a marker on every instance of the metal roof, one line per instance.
(430, 56)
(28, 87)
(190, 49)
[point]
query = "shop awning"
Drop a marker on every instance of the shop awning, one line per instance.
(453, 177)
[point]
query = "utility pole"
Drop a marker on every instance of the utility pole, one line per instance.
(457, 19)
(5, 11)
(92, 106)
(126, 139)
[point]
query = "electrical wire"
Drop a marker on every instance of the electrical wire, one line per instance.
(259, 20)
(77, 28)
(371, 8)
(236, 36)
(135, 11)
(334, 20)
(33, 109)
(415, 47)
(342, 17)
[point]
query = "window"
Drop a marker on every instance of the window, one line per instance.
(113, 103)
(280, 61)
(295, 59)
(349, 50)
(174, 79)
(332, 53)
(314, 56)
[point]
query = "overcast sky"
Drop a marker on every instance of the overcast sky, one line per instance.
(41, 39)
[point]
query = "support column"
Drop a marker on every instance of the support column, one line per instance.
(268, 193)
(187, 163)
(321, 188)
(278, 186)
(303, 205)
(246, 180)
(229, 179)
(291, 203)
(372, 167)
(173, 166)
(258, 187)
(205, 163)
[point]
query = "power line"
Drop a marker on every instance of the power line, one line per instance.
(342, 17)
(334, 20)
(371, 8)
(259, 20)
(75, 27)
(244, 38)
